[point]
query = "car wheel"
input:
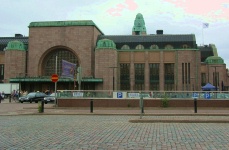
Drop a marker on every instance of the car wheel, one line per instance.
(36, 101)
(30, 101)
(46, 102)
(21, 101)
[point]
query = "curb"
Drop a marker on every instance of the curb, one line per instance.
(177, 121)
(173, 120)
(118, 114)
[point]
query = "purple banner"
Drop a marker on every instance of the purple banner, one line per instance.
(68, 69)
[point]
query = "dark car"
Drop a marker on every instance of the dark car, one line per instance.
(32, 97)
(50, 98)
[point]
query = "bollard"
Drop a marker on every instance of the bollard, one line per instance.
(195, 105)
(141, 103)
(42, 106)
(10, 98)
(91, 105)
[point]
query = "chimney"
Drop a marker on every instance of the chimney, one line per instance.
(159, 31)
(18, 35)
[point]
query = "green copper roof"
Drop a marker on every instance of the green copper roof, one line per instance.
(139, 23)
(63, 24)
(214, 60)
(48, 79)
(105, 43)
(15, 45)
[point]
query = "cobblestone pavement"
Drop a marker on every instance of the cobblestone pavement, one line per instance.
(92, 132)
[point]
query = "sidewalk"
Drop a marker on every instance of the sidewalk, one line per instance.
(152, 114)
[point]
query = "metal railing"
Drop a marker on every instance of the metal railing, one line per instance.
(106, 94)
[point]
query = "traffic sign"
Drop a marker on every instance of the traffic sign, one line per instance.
(207, 95)
(119, 95)
(54, 78)
(195, 95)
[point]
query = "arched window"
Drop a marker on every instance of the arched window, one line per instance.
(125, 47)
(139, 46)
(168, 46)
(185, 46)
(49, 63)
(154, 46)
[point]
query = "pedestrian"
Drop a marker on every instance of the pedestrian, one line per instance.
(17, 95)
(13, 95)
(0, 97)
(3, 95)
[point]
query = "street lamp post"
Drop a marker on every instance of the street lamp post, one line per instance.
(113, 77)
(215, 80)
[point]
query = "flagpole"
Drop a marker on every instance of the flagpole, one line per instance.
(75, 72)
(79, 77)
(203, 34)
(56, 82)
(205, 25)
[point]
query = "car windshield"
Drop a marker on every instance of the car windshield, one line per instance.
(31, 94)
(53, 94)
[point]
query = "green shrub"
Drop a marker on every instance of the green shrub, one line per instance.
(128, 105)
(39, 107)
(165, 101)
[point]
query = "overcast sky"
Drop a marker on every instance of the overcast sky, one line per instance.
(116, 17)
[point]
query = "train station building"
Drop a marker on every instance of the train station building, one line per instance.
(138, 61)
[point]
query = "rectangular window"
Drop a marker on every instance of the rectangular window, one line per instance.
(203, 79)
(186, 77)
(169, 76)
(1, 72)
(182, 73)
(216, 79)
(154, 76)
(139, 76)
(125, 76)
(185, 73)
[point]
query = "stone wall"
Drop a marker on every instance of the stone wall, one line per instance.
(135, 103)
(80, 40)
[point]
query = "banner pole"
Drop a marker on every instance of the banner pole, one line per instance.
(56, 82)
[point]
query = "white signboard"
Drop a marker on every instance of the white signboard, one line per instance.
(77, 94)
(137, 95)
(133, 95)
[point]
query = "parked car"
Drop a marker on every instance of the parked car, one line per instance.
(32, 97)
(50, 98)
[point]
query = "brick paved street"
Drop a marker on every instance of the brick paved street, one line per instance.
(108, 132)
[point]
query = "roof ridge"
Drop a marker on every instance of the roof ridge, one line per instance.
(14, 37)
(148, 35)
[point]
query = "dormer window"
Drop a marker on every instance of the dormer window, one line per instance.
(125, 47)
(154, 46)
(168, 46)
(185, 46)
(139, 46)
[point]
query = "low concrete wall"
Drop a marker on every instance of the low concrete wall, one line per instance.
(135, 103)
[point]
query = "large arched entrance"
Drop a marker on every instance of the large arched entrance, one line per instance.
(52, 63)
(47, 67)
(49, 63)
